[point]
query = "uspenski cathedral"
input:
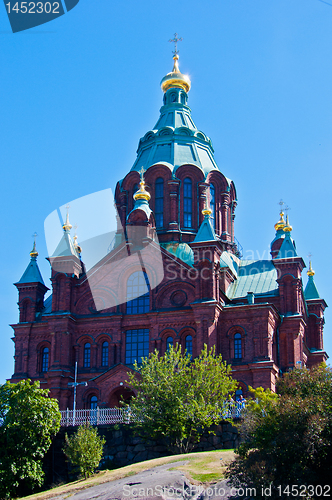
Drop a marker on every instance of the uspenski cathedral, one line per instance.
(173, 275)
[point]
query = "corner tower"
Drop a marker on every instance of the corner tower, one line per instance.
(181, 172)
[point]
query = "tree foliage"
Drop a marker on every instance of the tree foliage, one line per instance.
(84, 449)
(288, 437)
(28, 421)
(177, 397)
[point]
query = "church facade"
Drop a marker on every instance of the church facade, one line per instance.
(174, 275)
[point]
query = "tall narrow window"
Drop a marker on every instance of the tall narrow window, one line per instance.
(87, 355)
(138, 296)
(137, 345)
(189, 344)
(213, 205)
(159, 205)
(44, 360)
(169, 343)
(104, 354)
(187, 202)
(237, 346)
(93, 402)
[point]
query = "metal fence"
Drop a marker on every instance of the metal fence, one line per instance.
(102, 416)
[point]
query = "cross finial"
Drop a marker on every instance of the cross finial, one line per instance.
(281, 203)
(141, 172)
(175, 40)
(287, 208)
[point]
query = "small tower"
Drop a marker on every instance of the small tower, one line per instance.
(66, 266)
(316, 306)
(140, 222)
(31, 290)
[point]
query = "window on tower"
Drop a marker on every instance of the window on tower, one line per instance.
(213, 205)
(169, 343)
(138, 296)
(237, 346)
(104, 354)
(189, 345)
(159, 202)
(87, 355)
(137, 345)
(44, 359)
(187, 202)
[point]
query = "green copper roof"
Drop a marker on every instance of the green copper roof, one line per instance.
(287, 249)
(257, 276)
(180, 250)
(32, 273)
(206, 231)
(230, 260)
(311, 291)
(141, 205)
(175, 139)
(65, 247)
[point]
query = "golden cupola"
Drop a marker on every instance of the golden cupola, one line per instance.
(281, 222)
(175, 79)
(287, 227)
(142, 193)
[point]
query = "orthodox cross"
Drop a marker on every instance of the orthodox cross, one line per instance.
(141, 172)
(281, 203)
(34, 237)
(175, 40)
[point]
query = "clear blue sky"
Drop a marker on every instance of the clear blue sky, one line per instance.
(79, 92)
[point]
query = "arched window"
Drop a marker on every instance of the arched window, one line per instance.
(87, 355)
(93, 402)
(189, 344)
(187, 202)
(44, 359)
(213, 205)
(104, 354)
(169, 343)
(159, 205)
(237, 346)
(138, 296)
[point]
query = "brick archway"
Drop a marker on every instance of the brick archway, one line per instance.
(119, 394)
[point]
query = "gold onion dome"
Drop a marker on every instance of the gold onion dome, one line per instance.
(175, 78)
(311, 272)
(281, 223)
(142, 194)
(287, 228)
(67, 226)
(34, 253)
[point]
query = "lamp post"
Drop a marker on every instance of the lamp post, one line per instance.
(75, 384)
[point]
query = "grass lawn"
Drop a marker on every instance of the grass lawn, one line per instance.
(203, 468)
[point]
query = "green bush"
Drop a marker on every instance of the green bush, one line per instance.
(84, 450)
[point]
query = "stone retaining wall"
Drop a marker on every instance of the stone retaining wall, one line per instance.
(123, 447)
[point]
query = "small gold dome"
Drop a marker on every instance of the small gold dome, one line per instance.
(206, 211)
(281, 223)
(288, 228)
(311, 272)
(67, 226)
(175, 78)
(142, 194)
(34, 253)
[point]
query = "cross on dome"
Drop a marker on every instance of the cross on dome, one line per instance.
(175, 40)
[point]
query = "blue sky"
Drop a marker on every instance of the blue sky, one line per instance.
(78, 93)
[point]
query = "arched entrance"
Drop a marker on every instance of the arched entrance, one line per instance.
(120, 394)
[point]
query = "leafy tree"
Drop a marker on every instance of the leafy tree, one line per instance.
(84, 449)
(178, 397)
(287, 438)
(28, 420)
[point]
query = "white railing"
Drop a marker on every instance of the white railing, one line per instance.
(98, 416)
(102, 416)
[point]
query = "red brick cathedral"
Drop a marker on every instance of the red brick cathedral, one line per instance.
(174, 274)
